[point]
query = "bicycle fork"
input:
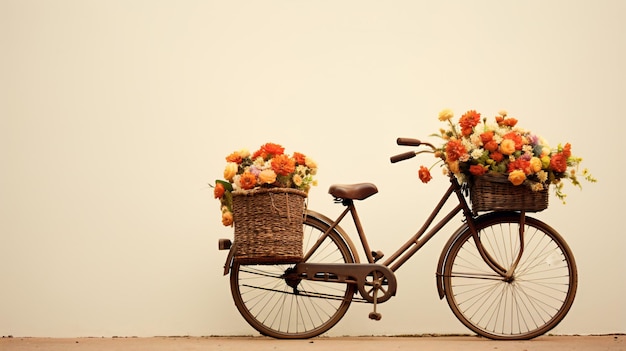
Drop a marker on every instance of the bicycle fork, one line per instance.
(506, 273)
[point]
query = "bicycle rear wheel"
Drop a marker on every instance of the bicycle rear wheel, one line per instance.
(533, 301)
(277, 303)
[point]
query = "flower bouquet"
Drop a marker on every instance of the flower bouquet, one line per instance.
(518, 162)
(262, 195)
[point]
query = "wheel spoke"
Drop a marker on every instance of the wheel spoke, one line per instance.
(278, 303)
(530, 303)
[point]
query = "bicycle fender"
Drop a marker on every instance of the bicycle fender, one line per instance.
(229, 259)
(444, 256)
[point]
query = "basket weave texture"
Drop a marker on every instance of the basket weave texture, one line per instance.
(268, 225)
(491, 192)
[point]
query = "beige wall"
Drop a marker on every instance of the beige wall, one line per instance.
(116, 114)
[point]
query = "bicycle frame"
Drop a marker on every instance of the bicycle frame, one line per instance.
(417, 241)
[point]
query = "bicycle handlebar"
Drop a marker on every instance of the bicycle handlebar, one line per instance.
(403, 156)
(410, 154)
(408, 142)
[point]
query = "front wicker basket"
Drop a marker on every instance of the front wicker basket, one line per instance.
(268, 225)
(491, 192)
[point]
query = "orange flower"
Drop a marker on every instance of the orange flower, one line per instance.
(234, 157)
(454, 150)
(247, 180)
(511, 122)
(468, 121)
(558, 162)
(267, 176)
(517, 177)
(519, 142)
(502, 121)
(300, 158)
(486, 137)
(496, 156)
(424, 174)
(283, 165)
(491, 145)
(268, 151)
(520, 164)
(219, 190)
(567, 150)
(507, 146)
(477, 170)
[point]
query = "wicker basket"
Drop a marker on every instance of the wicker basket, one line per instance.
(491, 192)
(268, 226)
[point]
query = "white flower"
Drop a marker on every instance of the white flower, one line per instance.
(542, 176)
(260, 163)
(497, 137)
(236, 184)
(469, 145)
(477, 153)
(476, 141)
(527, 149)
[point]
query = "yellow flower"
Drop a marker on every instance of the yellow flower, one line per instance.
(446, 114)
(503, 113)
(309, 162)
(535, 164)
(507, 146)
(517, 177)
(297, 180)
(244, 153)
(267, 176)
(227, 218)
(545, 161)
(537, 187)
(454, 166)
(230, 171)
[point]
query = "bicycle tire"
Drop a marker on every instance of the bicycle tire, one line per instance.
(305, 309)
(534, 301)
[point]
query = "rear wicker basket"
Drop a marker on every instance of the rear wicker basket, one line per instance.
(496, 193)
(268, 226)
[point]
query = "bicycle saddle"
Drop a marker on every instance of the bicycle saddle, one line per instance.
(358, 191)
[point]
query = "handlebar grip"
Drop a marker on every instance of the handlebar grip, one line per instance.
(408, 142)
(402, 157)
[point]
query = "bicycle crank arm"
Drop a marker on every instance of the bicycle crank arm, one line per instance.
(369, 277)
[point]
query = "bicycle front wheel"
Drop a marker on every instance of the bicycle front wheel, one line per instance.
(277, 303)
(528, 304)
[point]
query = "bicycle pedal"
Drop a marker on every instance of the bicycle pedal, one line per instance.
(377, 255)
(375, 316)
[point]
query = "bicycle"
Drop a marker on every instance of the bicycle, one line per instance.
(505, 275)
